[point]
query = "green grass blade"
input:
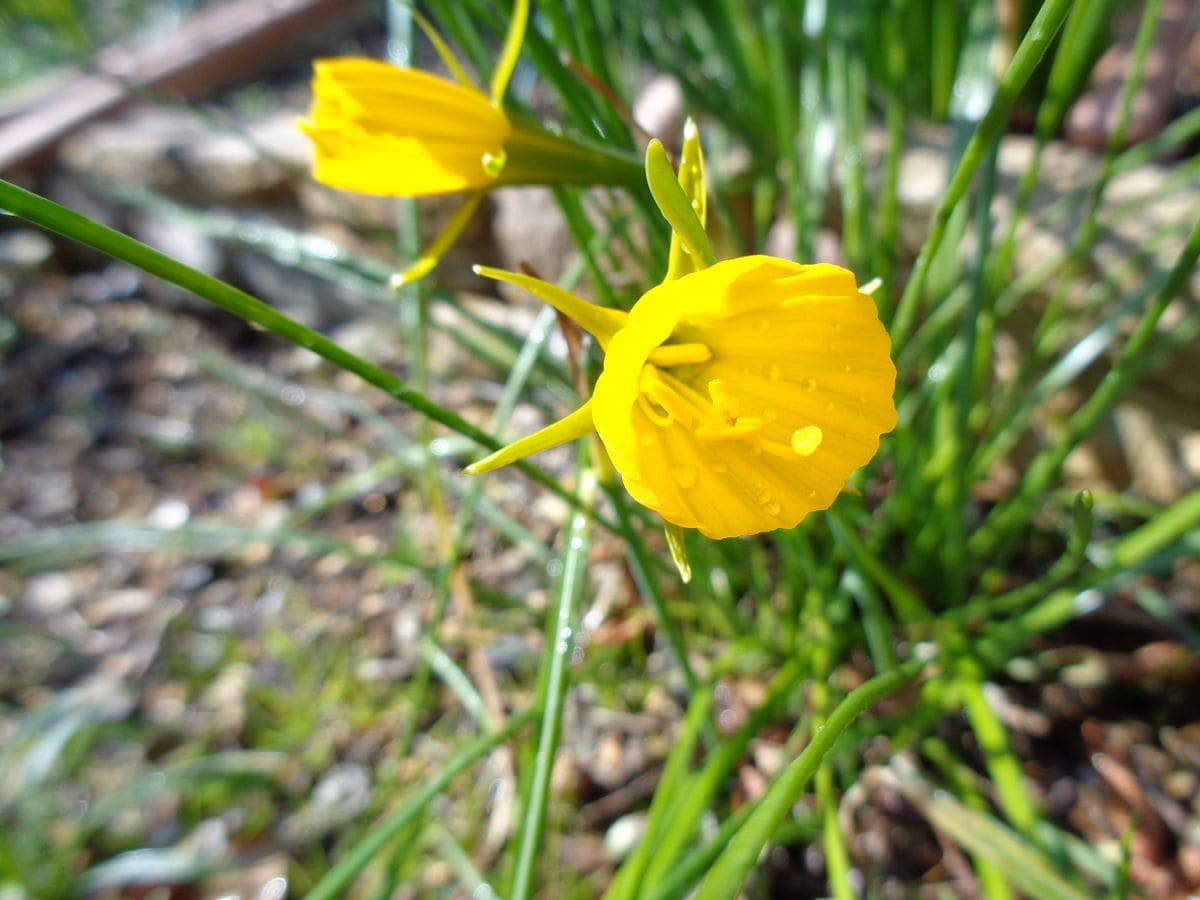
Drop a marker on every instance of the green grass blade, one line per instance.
(734, 864)
(552, 691)
(1033, 47)
(1009, 518)
(335, 882)
(984, 837)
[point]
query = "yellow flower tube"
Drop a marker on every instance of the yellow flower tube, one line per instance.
(380, 129)
(398, 132)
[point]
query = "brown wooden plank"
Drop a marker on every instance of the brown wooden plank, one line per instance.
(216, 47)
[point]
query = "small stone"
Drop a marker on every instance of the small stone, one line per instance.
(624, 834)
(659, 109)
(49, 593)
(529, 229)
(126, 603)
(24, 250)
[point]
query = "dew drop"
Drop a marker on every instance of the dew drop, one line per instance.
(772, 508)
(848, 369)
(685, 476)
(494, 163)
(806, 440)
(809, 384)
(773, 372)
(762, 324)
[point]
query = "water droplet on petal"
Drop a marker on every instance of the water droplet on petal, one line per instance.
(773, 372)
(806, 440)
(809, 384)
(762, 324)
(772, 508)
(685, 476)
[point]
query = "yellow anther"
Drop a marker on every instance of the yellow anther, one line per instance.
(679, 354)
(659, 392)
(721, 400)
(740, 428)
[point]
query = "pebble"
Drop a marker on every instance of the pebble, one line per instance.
(113, 606)
(624, 834)
(49, 593)
(659, 109)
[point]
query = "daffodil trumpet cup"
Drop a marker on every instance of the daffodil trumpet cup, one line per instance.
(734, 399)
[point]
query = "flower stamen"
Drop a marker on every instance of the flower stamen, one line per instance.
(679, 354)
(654, 388)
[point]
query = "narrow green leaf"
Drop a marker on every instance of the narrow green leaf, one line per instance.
(729, 872)
(676, 206)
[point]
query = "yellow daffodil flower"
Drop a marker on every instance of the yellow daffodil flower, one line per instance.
(382, 129)
(737, 396)
(735, 399)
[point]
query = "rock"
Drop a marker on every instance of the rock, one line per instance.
(624, 835)
(188, 156)
(24, 251)
(529, 229)
(339, 797)
(113, 606)
(136, 148)
(49, 593)
(660, 108)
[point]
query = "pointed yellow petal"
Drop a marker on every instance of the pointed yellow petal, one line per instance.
(424, 264)
(574, 425)
(598, 321)
(510, 51)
